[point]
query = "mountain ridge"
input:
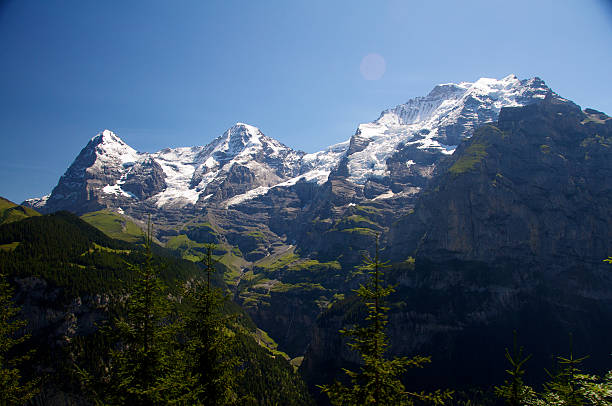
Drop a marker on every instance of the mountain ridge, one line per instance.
(461, 223)
(244, 162)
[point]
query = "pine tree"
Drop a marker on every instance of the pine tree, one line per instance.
(598, 393)
(209, 342)
(13, 390)
(566, 385)
(378, 381)
(514, 391)
(142, 344)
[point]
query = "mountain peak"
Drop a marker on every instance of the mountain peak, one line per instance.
(419, 132)
(240, 137)
(437, 122)
(245, 126)
(108, 144)
(243, 130)
(106, 136)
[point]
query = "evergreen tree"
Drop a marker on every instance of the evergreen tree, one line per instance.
(514, 391)
(598, 393)
(566, 385)
(209, 342)
(378, 381)
(142, 344)
(13, 391)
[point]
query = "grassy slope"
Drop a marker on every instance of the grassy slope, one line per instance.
(114, 225)
(10, 212)
(79, 259)
(72, 254)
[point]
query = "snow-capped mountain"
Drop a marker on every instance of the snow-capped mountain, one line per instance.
(426, 128)
(390, 157)
(108, 172)
(100, 168)
(242, 155)
(417, 134)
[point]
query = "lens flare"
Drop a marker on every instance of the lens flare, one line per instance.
(373, 67)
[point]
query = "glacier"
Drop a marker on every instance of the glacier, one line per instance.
(242, 163)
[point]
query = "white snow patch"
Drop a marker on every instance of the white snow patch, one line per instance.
(316, 175)
(179, 165)
(261, 190)
(38, 202)
(116, 190)
(387, 195)
(462, 107)
(176, 197)
(112, 149)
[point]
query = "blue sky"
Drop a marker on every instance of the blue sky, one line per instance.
(178, 73)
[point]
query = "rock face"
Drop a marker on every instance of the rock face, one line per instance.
(90, 182)
(434, 124)
(510, 234)
(535, 186)
(146, 178)
(389, 158)
(531, 189)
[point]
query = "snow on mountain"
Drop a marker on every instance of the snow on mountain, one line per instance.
(108, 168)
(314, 167)
(100, 167)
(244, 145)
(111, 150)
(112, 156)
(318, 165)
(243, 163)
(179, 165)
(438, 121)
(36, 202)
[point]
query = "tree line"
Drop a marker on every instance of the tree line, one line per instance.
(168, 340)
(378, 380)
(160, 350)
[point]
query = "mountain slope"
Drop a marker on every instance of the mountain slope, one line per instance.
(10, 211)
(69, 277)
(535, 186)
(510, 234)
(115, 225)
(254, 196)
(390, 156)
(318, 213)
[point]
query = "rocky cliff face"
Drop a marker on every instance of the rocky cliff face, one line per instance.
(535, 186)
(145, 178)
(413, 176)
(509, 234)
(90, 182)
(389, 158)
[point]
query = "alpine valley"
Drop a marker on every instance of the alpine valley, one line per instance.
(490, 199)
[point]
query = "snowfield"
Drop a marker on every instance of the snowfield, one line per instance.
(436, 123)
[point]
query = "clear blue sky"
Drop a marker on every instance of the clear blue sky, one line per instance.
(178, 73)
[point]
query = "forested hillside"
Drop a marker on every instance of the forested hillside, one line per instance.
(70, 280)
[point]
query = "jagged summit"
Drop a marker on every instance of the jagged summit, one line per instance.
(242, 140)
(109, 173)
(389, 157)
(106, 135)
(437, 122)
(240, 137)
(108, 146)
